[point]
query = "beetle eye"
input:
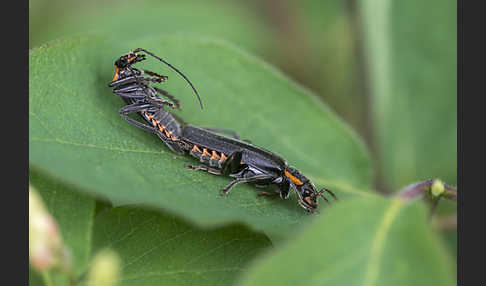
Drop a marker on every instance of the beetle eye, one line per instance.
(310, 201)
(121, 62)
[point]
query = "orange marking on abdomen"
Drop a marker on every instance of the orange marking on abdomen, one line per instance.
(223, 158)
(215, 156)
(196, 149)
(205, 152)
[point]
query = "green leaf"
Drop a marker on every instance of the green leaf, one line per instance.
(158, 249)
(365, 241)
(78, 136)
(73, 212)
(411, 46)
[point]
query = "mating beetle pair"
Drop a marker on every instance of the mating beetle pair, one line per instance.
(220, 155)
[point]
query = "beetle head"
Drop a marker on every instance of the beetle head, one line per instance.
(123, 66)
(128, 60)
(306, 191)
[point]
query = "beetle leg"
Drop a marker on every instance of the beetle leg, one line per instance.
(204, 168)
(158, 102)
(132, 79)
(300, 200)
(128, 79)
(136, 94)
(151, 79)
(237, 181)
(162, 77)
(262, 186)
(170, 97)
(132, 108)
(137, 107)
(268, 194)
(284, 188)
(127, 88)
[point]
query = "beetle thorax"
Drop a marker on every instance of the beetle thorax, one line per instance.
(295, 176)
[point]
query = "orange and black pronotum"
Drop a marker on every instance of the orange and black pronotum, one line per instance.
(220, 155)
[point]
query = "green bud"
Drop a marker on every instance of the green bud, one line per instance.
(437, 188)
(105, 269)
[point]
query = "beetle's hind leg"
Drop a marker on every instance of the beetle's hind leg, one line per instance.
(204, 168)
(268, 194)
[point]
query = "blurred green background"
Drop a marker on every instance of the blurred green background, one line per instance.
(388, 68)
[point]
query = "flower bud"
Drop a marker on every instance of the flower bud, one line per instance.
(437, 188)
(46, 249)
(104, 269)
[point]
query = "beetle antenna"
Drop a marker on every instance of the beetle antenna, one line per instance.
(328, 191)
(320, 194)
(175, 69)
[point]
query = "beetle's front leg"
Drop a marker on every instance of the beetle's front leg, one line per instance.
(301, 200)
(151, 73)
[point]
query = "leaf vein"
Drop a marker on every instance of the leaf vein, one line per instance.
(378, 244)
